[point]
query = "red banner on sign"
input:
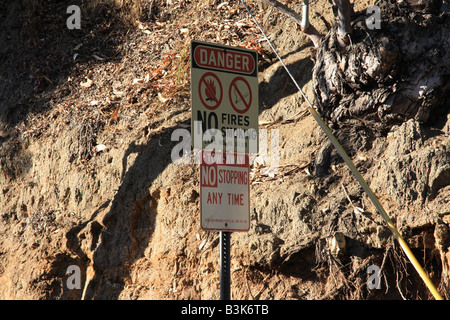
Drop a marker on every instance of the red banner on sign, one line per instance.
(224, 59)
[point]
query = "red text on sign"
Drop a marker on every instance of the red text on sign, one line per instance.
(236, 199)
(214, 198)
(228, 60)
(209, 176)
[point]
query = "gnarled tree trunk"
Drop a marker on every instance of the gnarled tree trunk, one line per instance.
(396, 72)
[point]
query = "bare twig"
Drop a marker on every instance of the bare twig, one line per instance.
(386, 253)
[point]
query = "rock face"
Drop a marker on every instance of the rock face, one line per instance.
(399, 71)
(410, 170)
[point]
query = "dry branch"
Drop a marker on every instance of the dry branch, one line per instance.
(303, 23)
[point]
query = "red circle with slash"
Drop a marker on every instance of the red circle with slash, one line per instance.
(242, 95)
(210, 90)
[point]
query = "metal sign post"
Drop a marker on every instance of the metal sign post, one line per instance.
(225, 265)
(224, 98)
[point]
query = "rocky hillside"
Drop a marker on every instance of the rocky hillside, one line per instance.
(87, 180)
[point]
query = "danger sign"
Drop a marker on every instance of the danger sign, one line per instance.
(224, 97)
(224, 191)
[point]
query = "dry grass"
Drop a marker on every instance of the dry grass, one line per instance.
(132, 11)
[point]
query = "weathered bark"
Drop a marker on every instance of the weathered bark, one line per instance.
(398, 72)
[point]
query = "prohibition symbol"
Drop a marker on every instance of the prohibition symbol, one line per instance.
(210, 90)
(240, 95)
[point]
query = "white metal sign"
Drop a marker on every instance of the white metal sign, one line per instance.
(224, 93)
(224, 191)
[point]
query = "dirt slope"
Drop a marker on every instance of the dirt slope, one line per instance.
(87, 177)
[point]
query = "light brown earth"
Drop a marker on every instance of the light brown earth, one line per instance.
(129, 217)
